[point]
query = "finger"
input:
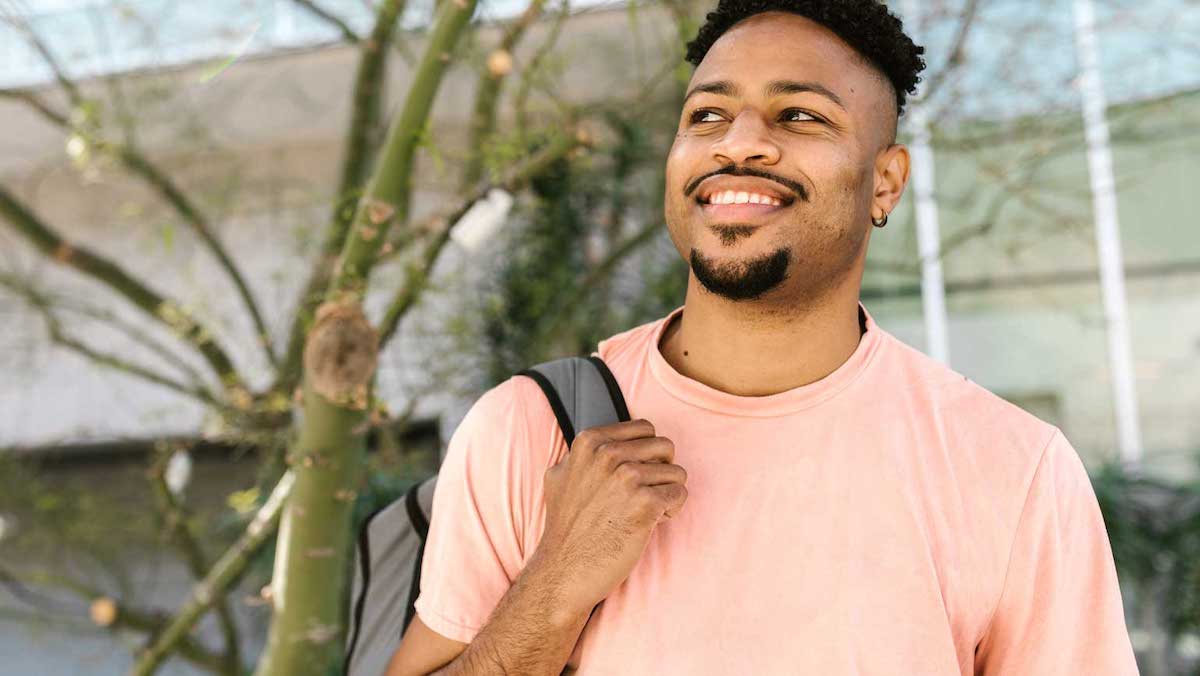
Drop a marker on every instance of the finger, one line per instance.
(655, 473)
(670, 496)
(622, 431)
(646, 449)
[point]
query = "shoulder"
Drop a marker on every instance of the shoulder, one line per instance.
(959, 408)
(511, 422)
(629, 344)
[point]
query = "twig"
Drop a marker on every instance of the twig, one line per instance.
(955, 57)
(57, 334)
(177, 517)
(135, 334)
(223, 575)
(521, 99)
(101, 269)
(140, 165)
(418, 272)
(330, 18)
(487, 93)
(599, 273)
(149, 622)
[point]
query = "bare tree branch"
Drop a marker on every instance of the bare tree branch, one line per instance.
(60, 76)
(531, 71)
(418, 273)
(134, 333)
(101, 269)
(58, 335)
(149, 622)
(223, 575)
(955, 58)
(138, 164)
(487, 92)
(177, 517)
(330, 18)
(598, 275)
(33, 101)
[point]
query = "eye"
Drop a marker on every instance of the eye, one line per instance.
(695, 117)
(806, 116)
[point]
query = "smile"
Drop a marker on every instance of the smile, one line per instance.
(739, 206)
(741, 197)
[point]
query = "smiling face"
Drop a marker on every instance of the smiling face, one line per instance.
(784, 153)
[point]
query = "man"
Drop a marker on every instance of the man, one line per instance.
(800, 493)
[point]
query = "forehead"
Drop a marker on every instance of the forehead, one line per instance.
(781, 45)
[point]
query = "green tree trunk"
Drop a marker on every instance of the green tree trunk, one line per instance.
(309, 582)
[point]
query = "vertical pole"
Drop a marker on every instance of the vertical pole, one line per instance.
(1108, 236)
(933, 289)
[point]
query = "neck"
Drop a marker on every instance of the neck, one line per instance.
(755, 350)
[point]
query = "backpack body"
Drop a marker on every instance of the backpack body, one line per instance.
(391, 542)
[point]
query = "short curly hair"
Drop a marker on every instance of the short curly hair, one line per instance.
(866, 25)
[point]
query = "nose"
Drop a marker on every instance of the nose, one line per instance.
(747, 138)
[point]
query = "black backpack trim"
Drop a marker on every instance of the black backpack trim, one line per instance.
(360, 604)
(420, 523)
(614, 390)
(560, 411)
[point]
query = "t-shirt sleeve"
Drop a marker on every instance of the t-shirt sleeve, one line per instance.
(477, 533)
(1060, 610)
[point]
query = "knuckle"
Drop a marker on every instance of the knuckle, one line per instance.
(607, 454)
(587, 439)
(627, 474)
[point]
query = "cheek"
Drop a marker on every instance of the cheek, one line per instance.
(677, 159)
(676, 176)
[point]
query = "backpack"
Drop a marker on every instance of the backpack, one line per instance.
(391, 542)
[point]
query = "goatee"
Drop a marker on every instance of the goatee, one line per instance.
(742, 280)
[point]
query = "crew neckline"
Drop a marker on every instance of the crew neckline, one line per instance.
(698, 394)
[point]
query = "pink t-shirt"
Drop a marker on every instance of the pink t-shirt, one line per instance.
(891, 518)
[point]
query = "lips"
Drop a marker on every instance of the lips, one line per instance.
(745, 213)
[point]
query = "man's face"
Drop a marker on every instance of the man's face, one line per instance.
(781, 109)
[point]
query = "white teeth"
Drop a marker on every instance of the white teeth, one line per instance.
(741, 197)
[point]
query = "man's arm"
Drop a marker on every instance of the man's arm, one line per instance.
(531, 631)
(603, 501)
(1060, 609)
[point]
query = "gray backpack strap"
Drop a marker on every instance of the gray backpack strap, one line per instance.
(582, 393)
(388, 556)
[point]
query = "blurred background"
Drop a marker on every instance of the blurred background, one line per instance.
(174, 176)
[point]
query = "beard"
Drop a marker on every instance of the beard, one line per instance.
(741, 280)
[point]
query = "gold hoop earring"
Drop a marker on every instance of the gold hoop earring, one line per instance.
(881, 222)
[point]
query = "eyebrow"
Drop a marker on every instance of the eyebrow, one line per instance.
(773, 88)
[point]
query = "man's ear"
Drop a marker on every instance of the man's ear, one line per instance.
(891, 175)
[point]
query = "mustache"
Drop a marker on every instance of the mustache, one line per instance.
(734, 170)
